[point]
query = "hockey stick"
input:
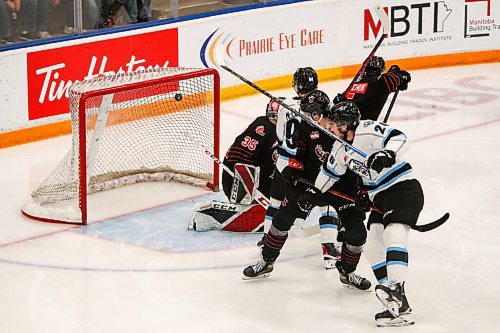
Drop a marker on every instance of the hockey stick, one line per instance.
(421, 228)
(289, 108)
(259, 197)
(391, 105)
(384, 19)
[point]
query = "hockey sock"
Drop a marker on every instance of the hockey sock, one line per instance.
(375, 252)
(396, 241)
(328, 229)
(273, 243)
(380, 271)
(350, 257)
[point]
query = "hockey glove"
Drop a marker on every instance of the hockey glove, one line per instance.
(309, 199)
(293, 171)
(404, 77)
(394, 69)
(362, 200)
(381, 159)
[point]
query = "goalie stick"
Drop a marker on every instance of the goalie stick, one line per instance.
(421, 228)
(259, 197)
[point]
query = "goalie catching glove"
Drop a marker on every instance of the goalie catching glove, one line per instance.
(381, 159)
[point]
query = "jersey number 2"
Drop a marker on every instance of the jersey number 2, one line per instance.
(379, 128)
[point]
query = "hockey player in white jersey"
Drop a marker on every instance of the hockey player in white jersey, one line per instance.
(390, 184)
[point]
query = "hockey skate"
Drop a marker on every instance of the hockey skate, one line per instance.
(352, 280)
(398, 310)
(260, 270)
(331, 254)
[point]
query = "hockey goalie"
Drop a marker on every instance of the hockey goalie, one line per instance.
(251, 158)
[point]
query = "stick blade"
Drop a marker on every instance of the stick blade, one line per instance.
(384, 18)
(432, 225)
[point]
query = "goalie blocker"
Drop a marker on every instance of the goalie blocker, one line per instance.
(239, 214)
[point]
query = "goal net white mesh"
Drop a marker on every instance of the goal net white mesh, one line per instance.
(134, 127)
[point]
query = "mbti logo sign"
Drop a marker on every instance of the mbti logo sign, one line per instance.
(478, 19)
(416, 18)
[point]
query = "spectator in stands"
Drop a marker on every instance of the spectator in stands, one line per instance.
(137, 10)
(90, 15)
(34, 15)
(7, 9)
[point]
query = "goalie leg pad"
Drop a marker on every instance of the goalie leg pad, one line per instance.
(228, 217)
(245, 181)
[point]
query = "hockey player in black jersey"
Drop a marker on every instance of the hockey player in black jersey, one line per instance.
(305, 80)
(251, 158)
(370, 93)
(392, 188)
(304, 149)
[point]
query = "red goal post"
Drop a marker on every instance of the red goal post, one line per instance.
(130, 128)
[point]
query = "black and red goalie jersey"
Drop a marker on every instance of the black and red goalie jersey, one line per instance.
(255, 146)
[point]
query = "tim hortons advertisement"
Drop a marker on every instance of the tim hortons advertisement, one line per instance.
(51, 72)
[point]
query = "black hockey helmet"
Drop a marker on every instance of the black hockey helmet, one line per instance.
(304, 80)
(376, 66)
(344, 114)
(273, 108)
(315, 103)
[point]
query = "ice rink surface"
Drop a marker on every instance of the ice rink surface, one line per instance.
(136, 268)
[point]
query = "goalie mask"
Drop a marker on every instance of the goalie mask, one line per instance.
(273, 108)
(315, 103)
(304, 80)
(344, 114)
(376, 66)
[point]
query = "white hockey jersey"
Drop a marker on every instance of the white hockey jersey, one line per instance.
(371, 136)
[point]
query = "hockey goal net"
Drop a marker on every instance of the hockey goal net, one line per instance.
(130, 128)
